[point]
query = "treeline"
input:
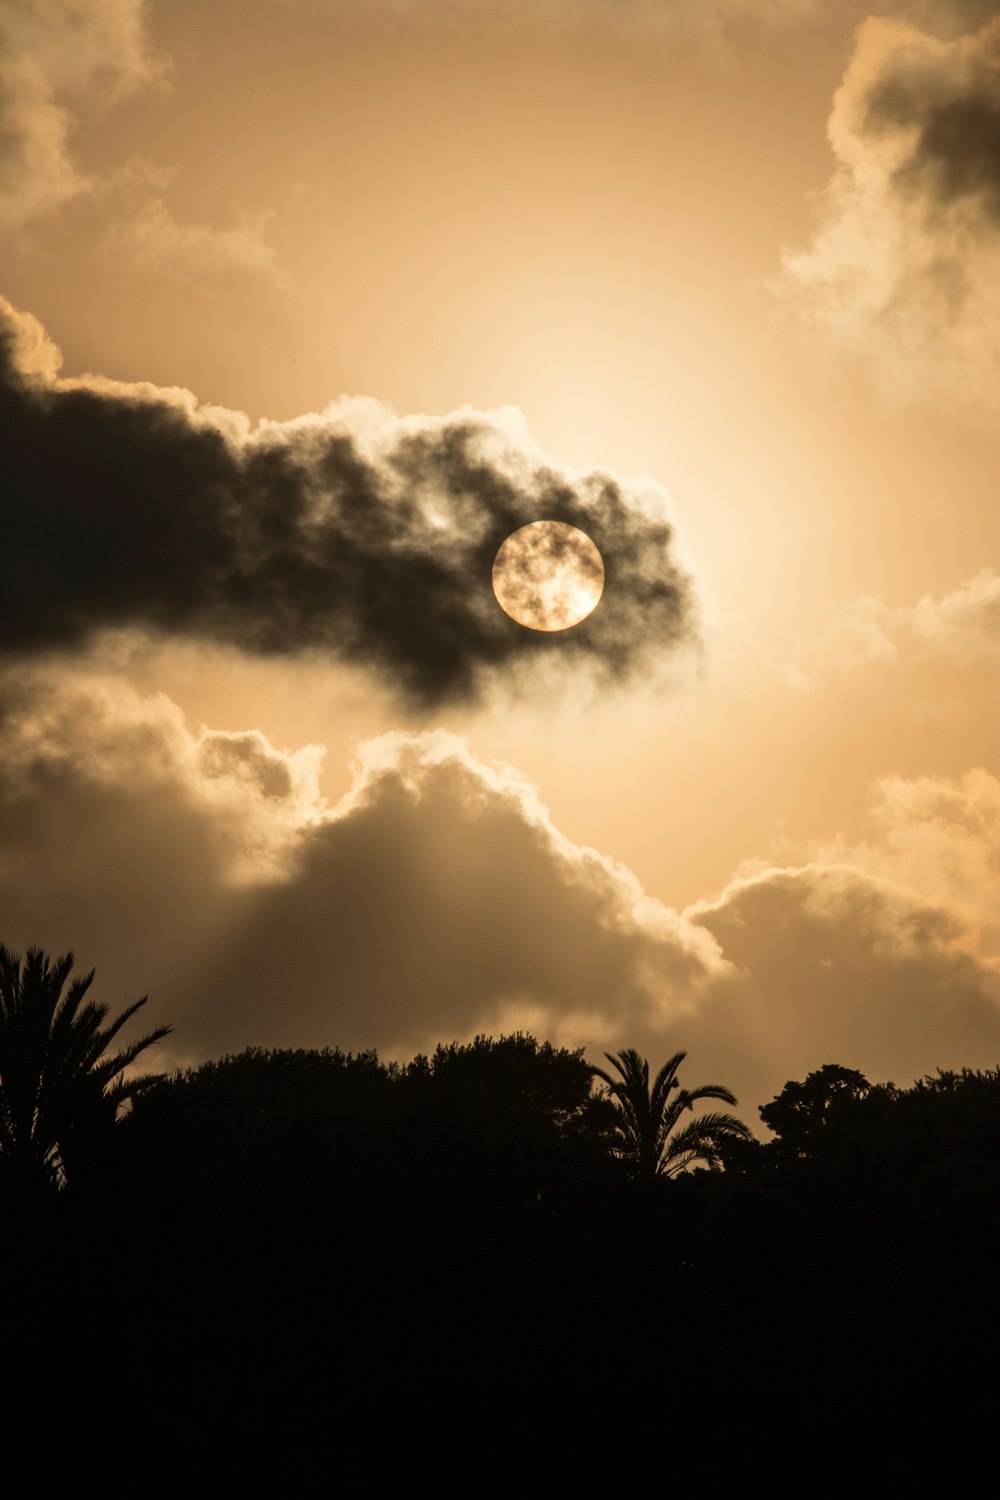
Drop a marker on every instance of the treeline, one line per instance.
(486, 1199)
(253, 1229)
(484, 1204)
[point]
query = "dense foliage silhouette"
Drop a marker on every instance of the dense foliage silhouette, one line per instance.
(466, 1226)
(61, 1094)
(804, 1114)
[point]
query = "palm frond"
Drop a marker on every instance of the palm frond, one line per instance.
(56, 1080)
(647, 1137)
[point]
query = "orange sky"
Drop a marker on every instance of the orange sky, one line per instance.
(748, 250)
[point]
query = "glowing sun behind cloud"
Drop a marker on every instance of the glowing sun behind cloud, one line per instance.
(548, 576)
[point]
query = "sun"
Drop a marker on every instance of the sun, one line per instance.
(548, 576)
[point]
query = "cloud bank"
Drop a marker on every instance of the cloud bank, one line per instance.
(904, 269)
(352, 532)
(437, 899)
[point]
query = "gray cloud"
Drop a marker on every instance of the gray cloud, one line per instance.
(353, 532)
(905, 267)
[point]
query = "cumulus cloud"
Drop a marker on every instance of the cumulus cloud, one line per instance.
(962, 625)
(839, 965)
(905, 266)
(352, 532)
(436, 899)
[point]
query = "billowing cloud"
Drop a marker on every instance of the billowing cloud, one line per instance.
(352, 532)
(905, 266)
(839, 965)
(436, 898)
(962, 625)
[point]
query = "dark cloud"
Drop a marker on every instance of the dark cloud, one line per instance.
(947, 99)
(354, 533)
(246, 757)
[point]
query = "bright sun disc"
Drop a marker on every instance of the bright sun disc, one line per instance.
(548, 575)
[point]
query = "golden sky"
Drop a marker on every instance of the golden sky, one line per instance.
(307, 305)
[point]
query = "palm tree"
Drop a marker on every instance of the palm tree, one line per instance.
(60, 1094)
(646, 1136)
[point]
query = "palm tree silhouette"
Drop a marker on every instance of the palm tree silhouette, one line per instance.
(646, 1136)
(60, 1095)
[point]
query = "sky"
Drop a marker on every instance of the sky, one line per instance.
(306, 306)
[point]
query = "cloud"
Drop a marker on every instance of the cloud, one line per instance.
(938, 836)
(711, 20)
(837, 965)
(963, 626)
(353, 532)
(59, 58)
(436, 899)
(52, 51)
(153, 239)
(904, 269)
(964, 623)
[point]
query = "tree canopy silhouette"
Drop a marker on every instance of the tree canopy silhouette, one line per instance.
(803, 1114)
(61, 1093)
(646, 1133)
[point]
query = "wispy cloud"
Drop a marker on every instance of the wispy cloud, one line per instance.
(60, 59)
(53, 54)
(154, 239)
(963, 625)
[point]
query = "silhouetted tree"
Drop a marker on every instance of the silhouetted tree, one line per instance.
(60, 1093)
(802, 1115)
(646, 1134)
(510, 1114)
